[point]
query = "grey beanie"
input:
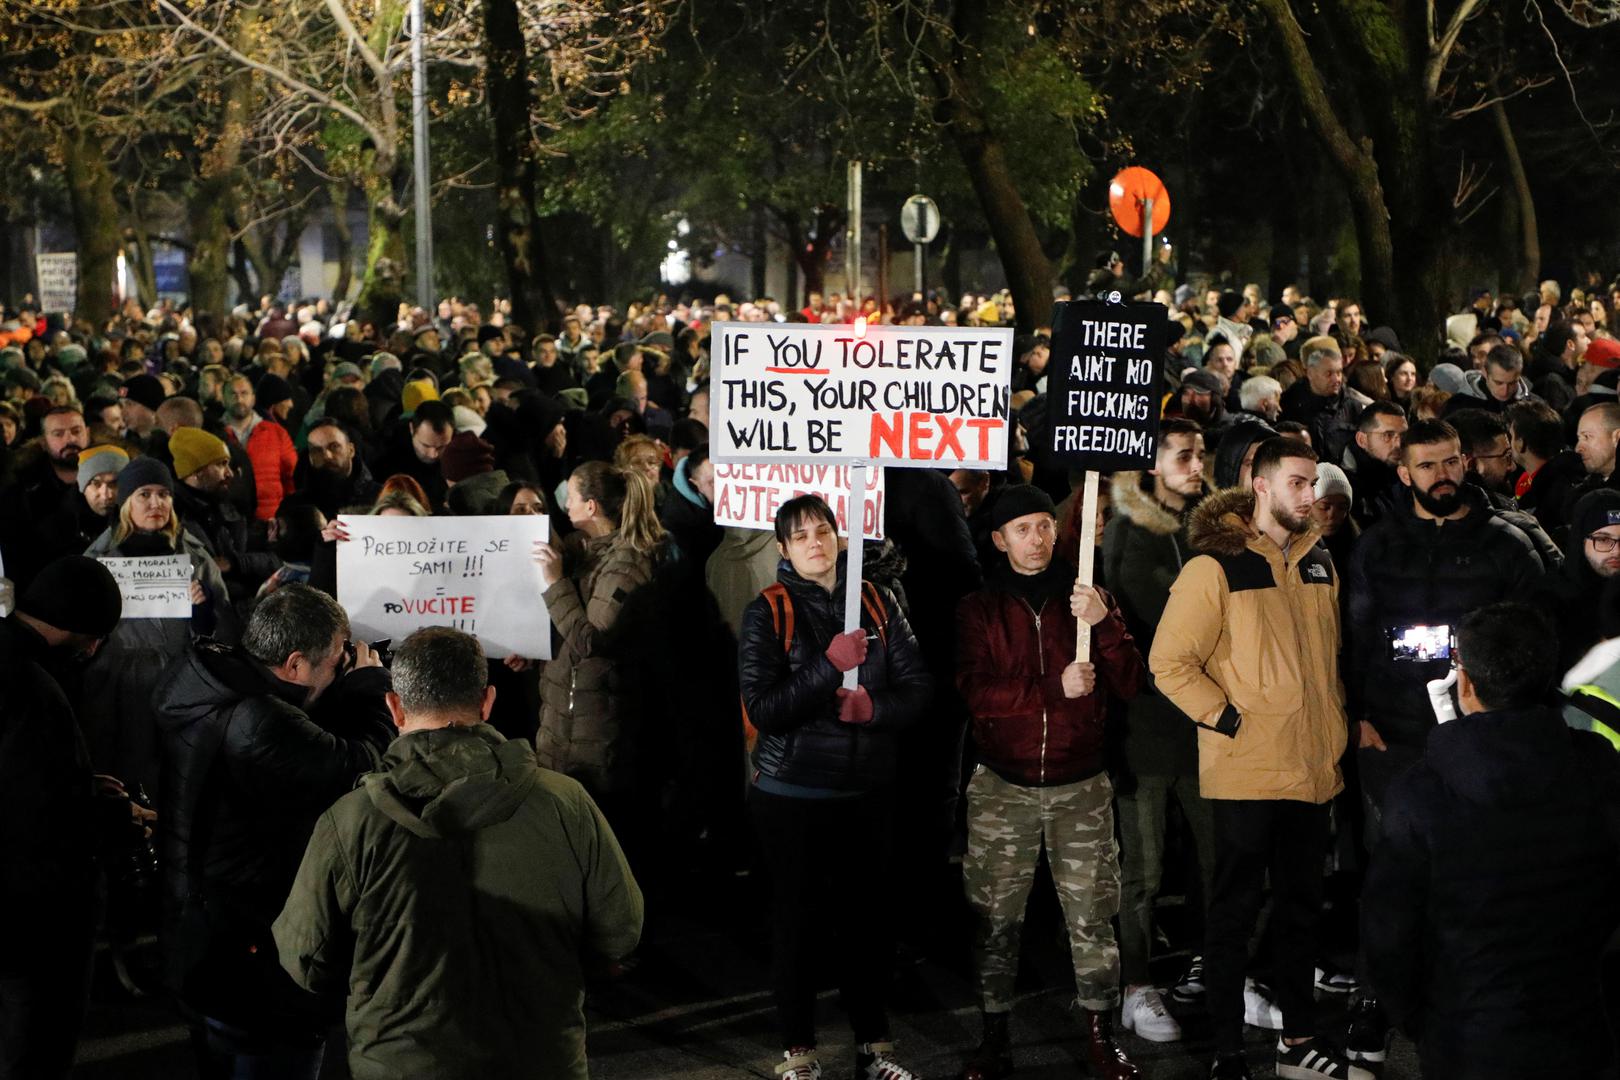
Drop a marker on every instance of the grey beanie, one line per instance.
(98, 460)
(1331, 480)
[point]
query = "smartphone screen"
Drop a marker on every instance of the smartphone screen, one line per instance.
(1419, 643)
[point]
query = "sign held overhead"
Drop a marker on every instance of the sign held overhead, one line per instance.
(916, 396)
(1104, 382)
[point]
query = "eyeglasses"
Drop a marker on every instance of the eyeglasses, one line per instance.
(1603, 544)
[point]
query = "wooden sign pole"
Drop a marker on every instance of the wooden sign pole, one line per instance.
(1088, 557)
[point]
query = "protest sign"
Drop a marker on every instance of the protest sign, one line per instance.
(398, 574)
(1104, 382)
(1102, 398)
(919, 396)
(153, 587)
(58, 274)
(748, 496)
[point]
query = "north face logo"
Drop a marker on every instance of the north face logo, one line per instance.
(1316, 572)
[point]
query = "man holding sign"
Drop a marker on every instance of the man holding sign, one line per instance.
(1038, 721)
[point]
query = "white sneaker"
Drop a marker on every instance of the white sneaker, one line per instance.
(1144, 1013)
(1258, 1008)
(799, 1063)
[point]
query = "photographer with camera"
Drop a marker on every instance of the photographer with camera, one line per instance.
(250, 765)
(1437, 555)
(55, 816)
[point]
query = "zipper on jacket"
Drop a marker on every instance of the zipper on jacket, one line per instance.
(1040, 655)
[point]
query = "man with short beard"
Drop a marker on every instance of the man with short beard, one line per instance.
(1248, 649)
(202, 464)
(1437, 555)
(335, 476)
(44, 483)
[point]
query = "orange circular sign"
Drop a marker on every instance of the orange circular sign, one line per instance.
(1128, 191)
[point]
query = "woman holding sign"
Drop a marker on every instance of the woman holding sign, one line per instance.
(822, 791)
(589, 704)
(119, 724)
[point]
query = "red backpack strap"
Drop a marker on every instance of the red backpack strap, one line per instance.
(872, 601)
(781, 605)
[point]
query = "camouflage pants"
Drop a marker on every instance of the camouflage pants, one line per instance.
(1007, 826)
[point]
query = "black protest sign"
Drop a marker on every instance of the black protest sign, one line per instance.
(1103, 384)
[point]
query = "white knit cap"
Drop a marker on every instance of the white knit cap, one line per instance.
(1331, 480)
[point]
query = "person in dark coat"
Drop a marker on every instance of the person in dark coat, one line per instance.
(1143, 552)
(1550, 470)
(1573, 597)
(824, 765)
(249, 767)
(1488, 905)
(50, 826)
(42, 483)
(688, 512)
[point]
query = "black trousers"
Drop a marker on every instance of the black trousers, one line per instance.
(830, 899)
(42, 1007)
(1254, 837)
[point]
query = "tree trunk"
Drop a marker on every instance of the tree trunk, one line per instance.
(1528, 268)
(383, 286)
(338, 194)
(758, 261)
(506, 67)
(241, 271)
(1030, 277)
(95, 221)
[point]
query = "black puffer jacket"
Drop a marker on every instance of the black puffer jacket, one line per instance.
(248, 772)
(1408, 571)
(1490, 899)
(790, 693)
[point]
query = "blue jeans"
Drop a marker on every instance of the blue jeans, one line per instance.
(225, 1052)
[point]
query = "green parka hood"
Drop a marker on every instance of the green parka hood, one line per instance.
(452, 780)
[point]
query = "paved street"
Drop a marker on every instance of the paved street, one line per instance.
(697, 1008)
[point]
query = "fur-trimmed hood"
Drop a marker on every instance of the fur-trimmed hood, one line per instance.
(1223, 524)
(1132, 493)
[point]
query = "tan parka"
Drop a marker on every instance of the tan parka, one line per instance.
(1251, 634)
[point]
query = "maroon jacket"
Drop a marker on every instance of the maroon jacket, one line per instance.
(1009, 667)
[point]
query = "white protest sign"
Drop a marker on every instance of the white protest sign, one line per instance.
(154, 587)
(58, 275)
(748, 496)
(399, 574)
(920, 396)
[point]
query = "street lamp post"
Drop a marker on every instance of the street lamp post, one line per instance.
(419, 128)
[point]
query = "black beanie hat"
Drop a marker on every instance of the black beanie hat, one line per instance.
(74, 593)
(271, 391)
(141, 472)
(1016, 500)
(1595, 510)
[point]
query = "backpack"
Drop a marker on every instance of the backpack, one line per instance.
(780, 602)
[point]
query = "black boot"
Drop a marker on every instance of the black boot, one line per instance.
(993, 1059)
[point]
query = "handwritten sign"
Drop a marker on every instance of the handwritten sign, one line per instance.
(153, 587)
(748, 496)
(58, 280)
(918, 396)
(399, 574)
(1103, 384)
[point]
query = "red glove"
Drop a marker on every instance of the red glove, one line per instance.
(854, 706)
(848, 651)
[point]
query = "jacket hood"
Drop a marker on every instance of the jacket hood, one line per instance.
(1222, 524)
(213, 676)
(683, 484)
(1234, 444)
(1508, 757)
(452, 780)
(1133, 499)
(1476, 386)
(739, 543)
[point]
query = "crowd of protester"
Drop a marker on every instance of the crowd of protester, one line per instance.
(1333, 530)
